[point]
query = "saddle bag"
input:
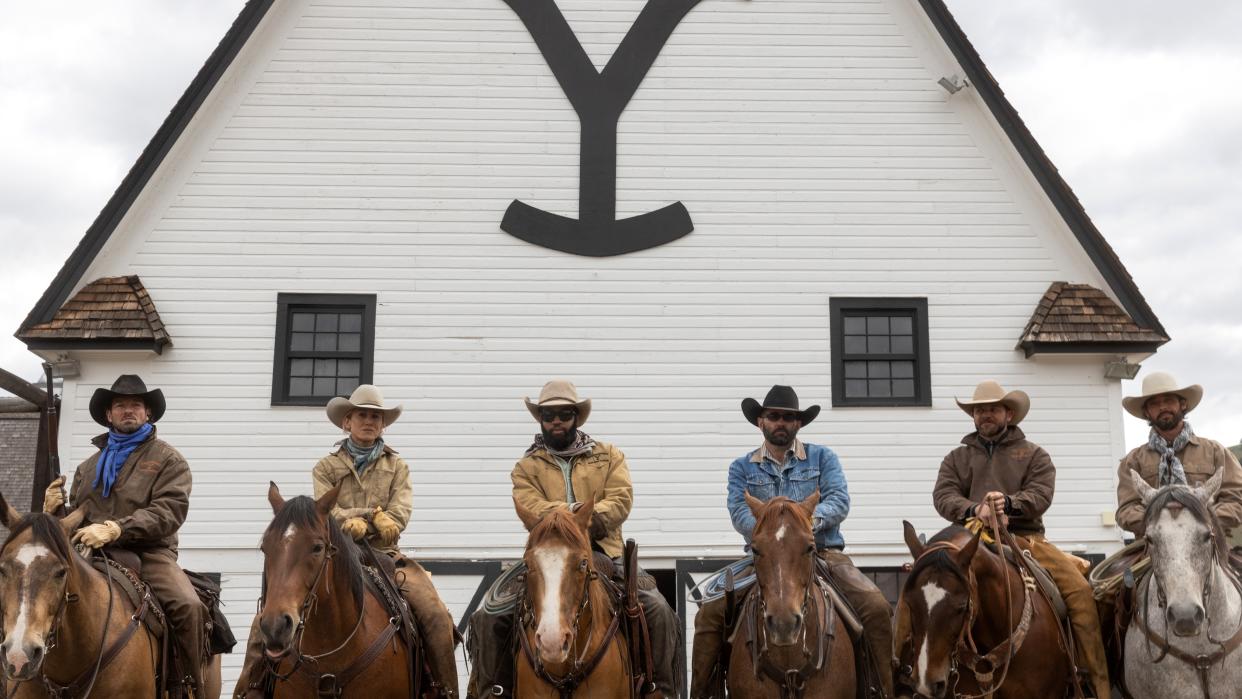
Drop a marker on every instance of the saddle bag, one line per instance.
(220, 638)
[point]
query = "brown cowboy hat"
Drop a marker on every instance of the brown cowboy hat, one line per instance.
(365, 396)
(778, 398)
(127, 385)
(1159, 382)
(989, 392)
(558, 392)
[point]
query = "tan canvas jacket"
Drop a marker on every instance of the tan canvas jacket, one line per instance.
(150, 498)
(539, 485)
(1018, 468)
(385, 483)
(1201, 458)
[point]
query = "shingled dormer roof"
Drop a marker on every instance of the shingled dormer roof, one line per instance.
(1081, 318)
(108, 313)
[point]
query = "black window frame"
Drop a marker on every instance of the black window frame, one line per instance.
(839, 308)
(286, 305)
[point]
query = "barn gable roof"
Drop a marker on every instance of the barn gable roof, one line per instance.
(1053, 185)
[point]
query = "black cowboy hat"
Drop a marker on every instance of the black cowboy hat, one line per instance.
(127, 385)
(779, 398)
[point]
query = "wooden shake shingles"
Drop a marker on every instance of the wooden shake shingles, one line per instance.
(111, 308)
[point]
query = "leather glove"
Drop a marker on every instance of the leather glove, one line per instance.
(387, 528)
(97, 535)
(54, 496)
(355, 528)
(597, 529)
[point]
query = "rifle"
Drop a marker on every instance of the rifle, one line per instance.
(53, 441)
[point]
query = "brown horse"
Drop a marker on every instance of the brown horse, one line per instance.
(972, 624)
(569, 640)
(58, 608)
(790, 642)
(322, 626)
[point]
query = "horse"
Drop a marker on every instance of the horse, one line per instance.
(322, 625)
(791, 643)
(1183, 640)
(68, 630)
(569, 640)
(971, 624)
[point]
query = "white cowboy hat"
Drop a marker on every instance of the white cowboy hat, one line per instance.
(365, 396)
(1159, 382)
(558, 392)
(989, 392)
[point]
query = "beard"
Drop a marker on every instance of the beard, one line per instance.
(989, 429)
(781, 436)
(1167, 420)
(127, 427)
(559, 442)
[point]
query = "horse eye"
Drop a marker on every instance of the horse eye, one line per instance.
(317, 548)
(582, 565)
(59, 574)
(810, 549)
(755, 551)
(1207, 536)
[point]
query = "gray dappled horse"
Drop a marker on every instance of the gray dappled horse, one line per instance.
(1184, 640)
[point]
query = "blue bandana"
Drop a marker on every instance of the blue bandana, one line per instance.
(119, 447)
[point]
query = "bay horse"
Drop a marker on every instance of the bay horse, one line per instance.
(971, 624)
(324, 630)
(568, 630)
(69, 631)
(790, 642)
(1183, 640)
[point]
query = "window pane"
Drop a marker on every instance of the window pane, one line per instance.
(877, 325)
(325, 342)
(855, 370)
(301, 367)
(901, 325)
(325, 367)
(325, 387)
(855, 325)
(325, 323)
(302, 342)
(299, 387)
(349, 342)
(903, 370)
(903, 388)
(348, 367)
(303, 322)
(878, 388)
(855, 388)
(877, 345)
(346, 385)
(855, 344)
(902, 344)
(351, 323)
(877, 370)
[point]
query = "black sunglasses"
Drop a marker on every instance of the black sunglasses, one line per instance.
(780, 417)
(564, 415)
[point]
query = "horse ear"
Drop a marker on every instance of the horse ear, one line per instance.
(808, 505)
(754, 503)
(8, 515)
(1207, 492)
(967, 554)
(273, 496)
(584, 513)
(70, 522)
(529, 519)
(912, 539)
(325, 503)
(1146, 492)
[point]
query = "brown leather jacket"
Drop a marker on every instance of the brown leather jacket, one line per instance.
(1016, 467)
(1201, 458)
(149, 500)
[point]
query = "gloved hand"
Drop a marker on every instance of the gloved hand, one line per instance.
(97, 535)
(597, 530)
(54, 496)
(387, 528)
(355, 528)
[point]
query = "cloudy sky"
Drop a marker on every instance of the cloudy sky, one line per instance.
(1138, 102)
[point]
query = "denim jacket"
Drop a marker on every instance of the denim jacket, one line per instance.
(810, 467)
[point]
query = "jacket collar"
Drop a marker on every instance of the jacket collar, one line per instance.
(1013, 434)
(101, 441)
(340, 447)
(799, 450)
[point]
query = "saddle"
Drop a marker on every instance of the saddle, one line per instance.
(1043, 578)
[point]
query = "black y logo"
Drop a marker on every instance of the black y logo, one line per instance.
(599, 98)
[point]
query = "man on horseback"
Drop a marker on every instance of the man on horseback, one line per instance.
(563, 467)
(136, 492)
(1174, 453)
(786, 466)
(374, 505)
(997, 474)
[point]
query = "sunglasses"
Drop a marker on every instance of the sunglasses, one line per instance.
(780, 417)
(564, 415)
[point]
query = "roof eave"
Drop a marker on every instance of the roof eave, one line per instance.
(1032, 347)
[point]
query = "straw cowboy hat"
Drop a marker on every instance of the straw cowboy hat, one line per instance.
(559, 392)
(365, 396)
(989, 392)
(778, 398)
(1159, 382)
(127, 385)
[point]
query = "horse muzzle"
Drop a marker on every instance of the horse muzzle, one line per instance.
(22, 663)
(1185, 619)
(276, 633)
(785, 631)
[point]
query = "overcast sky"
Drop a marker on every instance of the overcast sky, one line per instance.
(1138, 102)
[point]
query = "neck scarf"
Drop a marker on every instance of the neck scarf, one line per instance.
(1171, 470)
(114, 454)
(582, 444)
(364, 456)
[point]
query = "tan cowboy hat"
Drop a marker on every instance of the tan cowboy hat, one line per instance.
(365, 396)
(560, 392)
(989, 391)
(1159, 382)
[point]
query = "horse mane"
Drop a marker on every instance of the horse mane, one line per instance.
(1187, 498)
(558, 523)
(778, 506)
(939, 559)
(301, 512)
(45, 530)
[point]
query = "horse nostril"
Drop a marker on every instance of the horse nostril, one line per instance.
(1198, 615)
(938, 689)
(287, 620)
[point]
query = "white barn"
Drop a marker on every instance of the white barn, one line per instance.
(847, 167)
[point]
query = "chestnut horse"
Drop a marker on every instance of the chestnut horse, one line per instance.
(67, 630)
(569, 640)
(970, 624)
(322, 626)
(790, 642)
